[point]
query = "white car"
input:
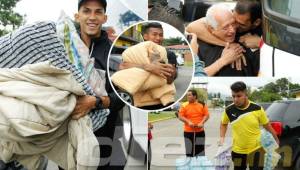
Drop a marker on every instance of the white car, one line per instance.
(180, 60)
(132, 133)
(134, 137)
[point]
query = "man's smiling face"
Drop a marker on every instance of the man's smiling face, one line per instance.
(91, 16)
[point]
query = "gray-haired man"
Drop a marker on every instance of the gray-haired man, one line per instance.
(218, 59)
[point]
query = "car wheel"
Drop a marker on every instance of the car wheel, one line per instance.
(127, 128)
(126, 97)
(121, 139)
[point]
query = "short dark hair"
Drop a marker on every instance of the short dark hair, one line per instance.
(102, 2)
(194, 93)
(147, 26)
(253, 7)
(238, 86)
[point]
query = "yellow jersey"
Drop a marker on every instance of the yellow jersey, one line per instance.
(245, 125)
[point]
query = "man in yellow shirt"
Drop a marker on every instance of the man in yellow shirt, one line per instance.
(245, 118)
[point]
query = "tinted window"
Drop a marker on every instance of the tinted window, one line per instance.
(276, 111)
(292, 115)
(286, 7)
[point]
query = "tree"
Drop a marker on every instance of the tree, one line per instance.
(283, 85)
(173, 41)
(273, 91)
(294, 86)
(9, 18)
(271, 88)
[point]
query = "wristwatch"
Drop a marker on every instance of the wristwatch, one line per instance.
(98, 103)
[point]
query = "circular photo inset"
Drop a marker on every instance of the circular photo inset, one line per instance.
(151, 65)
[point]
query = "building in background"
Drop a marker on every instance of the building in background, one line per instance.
(297, 93)
(182, 51)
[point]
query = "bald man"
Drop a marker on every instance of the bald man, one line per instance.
(218, 59)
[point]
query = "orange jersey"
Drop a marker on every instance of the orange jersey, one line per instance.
(194, 112)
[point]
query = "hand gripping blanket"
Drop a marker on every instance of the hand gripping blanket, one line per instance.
(146, 88)
(34, 118)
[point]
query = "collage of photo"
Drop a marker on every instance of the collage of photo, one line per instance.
(149, 84)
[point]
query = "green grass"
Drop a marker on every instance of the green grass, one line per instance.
(188, 63)
(161, 115)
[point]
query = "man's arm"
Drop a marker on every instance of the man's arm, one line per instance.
(199, 27)
(83, 106)
(250, 41)
(185, 120)
(160, 69)
(228, 56)
(269, 128)
(201, 124)
(223, 130)
(172, 60)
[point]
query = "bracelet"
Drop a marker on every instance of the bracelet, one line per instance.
(98, 103)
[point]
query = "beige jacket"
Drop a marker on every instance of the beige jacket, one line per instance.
(35, 104)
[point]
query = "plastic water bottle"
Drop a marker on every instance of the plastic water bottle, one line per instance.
(183, 163)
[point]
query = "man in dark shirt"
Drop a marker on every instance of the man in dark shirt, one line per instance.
(90, 17)
(153, 31)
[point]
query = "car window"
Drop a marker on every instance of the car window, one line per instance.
(281, 24)
(286, 7)
(292, 115)
(276, 111)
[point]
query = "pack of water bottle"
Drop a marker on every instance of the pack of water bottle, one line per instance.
(267, 141)
(194, 163)
(223, 158)
(270, 145)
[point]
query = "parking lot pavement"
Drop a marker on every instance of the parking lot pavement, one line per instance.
(168, 143)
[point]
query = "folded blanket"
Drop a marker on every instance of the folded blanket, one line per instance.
(34, 118)
(146, 88)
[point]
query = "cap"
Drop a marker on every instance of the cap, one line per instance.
(102, 2)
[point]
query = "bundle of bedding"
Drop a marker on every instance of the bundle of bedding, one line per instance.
(35, 118)
(145, 87)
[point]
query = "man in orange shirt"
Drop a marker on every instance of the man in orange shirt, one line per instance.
(194, 115)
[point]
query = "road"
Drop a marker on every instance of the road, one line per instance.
(168, 144)
(183, 80)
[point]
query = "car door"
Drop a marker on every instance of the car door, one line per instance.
(291, 128)
(280, 53)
